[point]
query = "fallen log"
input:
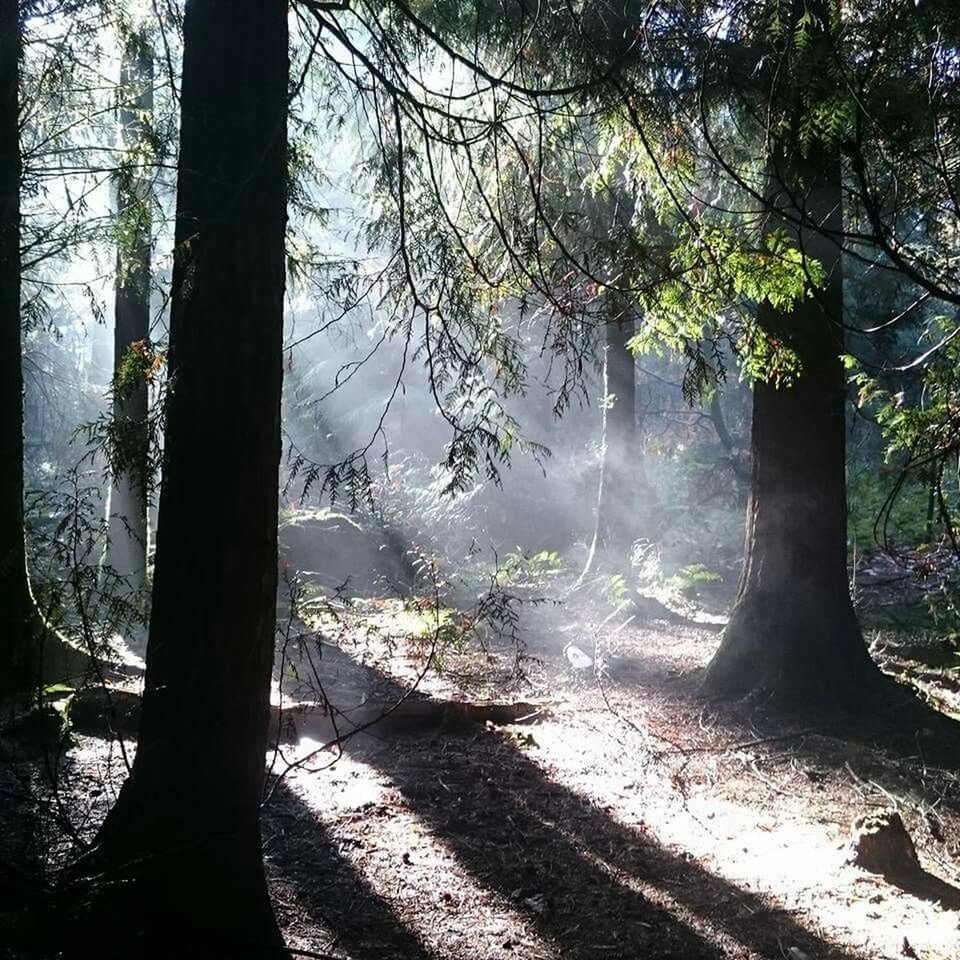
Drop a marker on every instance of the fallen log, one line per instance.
(112, 710)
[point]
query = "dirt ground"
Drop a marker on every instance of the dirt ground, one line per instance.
(626, 819)
(623, 817)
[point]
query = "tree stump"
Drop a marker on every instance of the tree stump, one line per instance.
(882, 845)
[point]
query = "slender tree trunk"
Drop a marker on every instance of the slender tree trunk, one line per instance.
(617, 504)
(185, 829)
(127, 553)
(17, 649)
(615, 517)
(931, 513)
(719, 421)
(793, 633)
(602, 499)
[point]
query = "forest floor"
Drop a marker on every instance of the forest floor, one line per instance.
(627, 818)
(621, 817)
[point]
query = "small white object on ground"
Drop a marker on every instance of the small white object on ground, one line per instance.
(577, 658)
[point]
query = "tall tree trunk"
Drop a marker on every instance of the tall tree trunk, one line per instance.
(793, 633)
(617, 505)
(17, 649)
(185, 830)
(615, 516)
(127, 553)
(31, 651)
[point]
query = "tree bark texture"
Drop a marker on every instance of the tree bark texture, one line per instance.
(793, 633)
(15, 605)
(185, 828)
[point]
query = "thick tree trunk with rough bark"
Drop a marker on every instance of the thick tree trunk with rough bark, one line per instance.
(127, 553)
(18, 652)
(793, 634)
(184, 832)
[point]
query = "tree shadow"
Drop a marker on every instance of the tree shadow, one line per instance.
(593, 886)
(926, 886)
(584, 880)
(22, 839)
(332, 895)
(335, 896)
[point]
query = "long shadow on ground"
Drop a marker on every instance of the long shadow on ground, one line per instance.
(331, 895)
(331, 892)
(592, 886)
(587, 882)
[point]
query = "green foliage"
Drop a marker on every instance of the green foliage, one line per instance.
(526, 568)
(132, 446)
(75, 590)
(943, 608)
(141, 364)
(689, 578)
(923, 436)
(130, 233)
(616, 589)
(734, 280)
(870, 517)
